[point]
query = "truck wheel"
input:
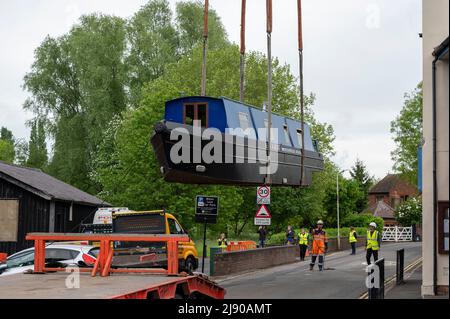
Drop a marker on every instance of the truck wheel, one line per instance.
(189, 265)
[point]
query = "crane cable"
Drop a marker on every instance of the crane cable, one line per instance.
(242, 50)
(269, 87)
(302, 102)
(205, 44)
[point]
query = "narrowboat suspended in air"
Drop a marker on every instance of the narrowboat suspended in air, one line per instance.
(205, 140)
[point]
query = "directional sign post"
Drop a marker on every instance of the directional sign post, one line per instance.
(262, 217)
(206, 209)
(263, 195)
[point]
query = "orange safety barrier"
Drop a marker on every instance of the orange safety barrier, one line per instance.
(3, 257)
(106, 253)
(241, 245)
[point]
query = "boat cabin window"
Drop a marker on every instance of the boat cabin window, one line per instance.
(243, 121)
(299, 137)
(196, 111)
(286, 135)
(189, 114)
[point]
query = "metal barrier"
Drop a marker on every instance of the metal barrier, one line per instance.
(241, 245)
(376, 285)
(106, 253)
(400, 266)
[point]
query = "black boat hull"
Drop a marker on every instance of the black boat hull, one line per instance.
(235, 173)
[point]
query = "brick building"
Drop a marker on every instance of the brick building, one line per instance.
(386, 195)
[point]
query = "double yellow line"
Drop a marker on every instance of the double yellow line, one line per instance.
(390, 282)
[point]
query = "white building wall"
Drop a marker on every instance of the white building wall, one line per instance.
(435, 31)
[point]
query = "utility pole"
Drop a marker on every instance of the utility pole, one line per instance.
(269, 87)
(205, 44)
(337, 209)
(242, 67)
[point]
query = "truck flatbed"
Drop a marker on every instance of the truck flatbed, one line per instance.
(117, 286)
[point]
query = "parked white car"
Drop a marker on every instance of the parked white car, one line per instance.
(60, 254)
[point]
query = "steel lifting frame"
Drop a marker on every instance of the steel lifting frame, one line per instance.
(106, 253)
(167, 290)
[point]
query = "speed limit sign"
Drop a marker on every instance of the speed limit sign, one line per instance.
(263, 195)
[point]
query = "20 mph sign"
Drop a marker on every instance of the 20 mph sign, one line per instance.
(263, 195)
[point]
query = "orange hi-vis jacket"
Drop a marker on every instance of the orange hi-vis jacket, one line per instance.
(319, 240)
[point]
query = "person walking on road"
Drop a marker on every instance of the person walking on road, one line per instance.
(262, 236)
(303, 238)
(353, 239)
(373, 242)
(319, 246)
(290, 236)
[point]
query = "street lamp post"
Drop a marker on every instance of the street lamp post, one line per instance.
(337, 209)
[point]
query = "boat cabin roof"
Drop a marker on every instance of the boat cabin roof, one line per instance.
(226, 114)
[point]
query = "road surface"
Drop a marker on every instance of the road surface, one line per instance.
(344, 276)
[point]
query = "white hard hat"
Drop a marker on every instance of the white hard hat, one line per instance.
(373, 224)
(320, 222)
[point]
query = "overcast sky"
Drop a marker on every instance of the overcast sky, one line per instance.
(361, 56)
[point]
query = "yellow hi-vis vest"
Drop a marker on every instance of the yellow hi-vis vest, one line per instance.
(222, 243)
(372, 240)
(351, 237)
(303, 239)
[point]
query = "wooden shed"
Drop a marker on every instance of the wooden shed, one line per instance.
(33, 201)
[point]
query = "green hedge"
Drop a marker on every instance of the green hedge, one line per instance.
(362, 220)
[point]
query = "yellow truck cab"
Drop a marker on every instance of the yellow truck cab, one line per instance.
(152, 222)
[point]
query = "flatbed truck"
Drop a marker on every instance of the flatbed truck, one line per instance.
(122, 283)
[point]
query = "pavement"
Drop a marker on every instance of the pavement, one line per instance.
(344, 276)
(409, 289)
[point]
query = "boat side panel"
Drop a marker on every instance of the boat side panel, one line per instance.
(293, 126)
(278, 123)
(232, 110)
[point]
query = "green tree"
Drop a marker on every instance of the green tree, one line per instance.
(153, 42)
(21, 148)
(364, 180)
(7, 149)
(77, 83)
(406, 130)
(409, 212)
(37, 148)
(189, 23)
(6, 135)
(349, 194)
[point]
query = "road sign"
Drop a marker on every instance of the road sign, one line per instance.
(263, 195)
(206, 208)
(262, 217)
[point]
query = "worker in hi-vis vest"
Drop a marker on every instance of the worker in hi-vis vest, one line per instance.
(353, 238)
(373, 242)
(319, 246)
(303, 240)
(222, 241)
